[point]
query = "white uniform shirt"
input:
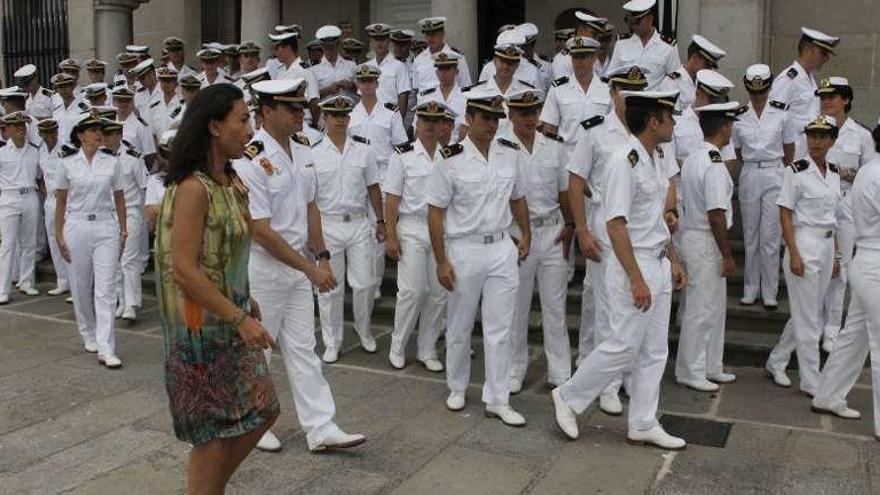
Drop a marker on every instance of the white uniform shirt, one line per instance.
(407, 177)
(476, 192)
(689, 136)
(300, 69)
(138, 135)
(567, 105)
(383, 127)
(19, 167)
(637, 193)
(424, 75)
(67, 117)
(866, 205)
(132, 176)
(455, 101)
(279, 188)
(327, 73)
(146, 101)
(222, 77)
(796, 87)
(185, 70)
(815, 200)
(706, 185)
(544, 174)
(155, 189)
(41, 104)
(760, 139)
(526, 71)
(681, 80)
(274, 66)
(393, 80)
(561, 65)
(657, 58)
(854, 148)
(343, 178)
(50, 167)
(165, 114)
(90, 187)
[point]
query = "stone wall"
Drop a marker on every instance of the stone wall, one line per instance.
(157, 19)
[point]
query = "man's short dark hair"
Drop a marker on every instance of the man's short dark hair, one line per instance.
(637, 116)
(876, 135)
(711, 125)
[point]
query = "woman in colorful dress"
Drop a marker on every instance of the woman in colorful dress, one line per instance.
(221, 393)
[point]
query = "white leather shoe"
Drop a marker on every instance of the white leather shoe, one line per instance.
(4, 299)
(119, 310)
(771, 304)
(455, 401)
(111, 362)
(339, 440)
(69, 300)
(699, 385)
(331, 355)
(722, 378)
(129, 314)
(269, 442)
(368, 343)
(432, 364)
(57, 291)
(655, 436)
(90, 347)
(747, 301)
(778, 377)
(515, 386)
(610, 404)
(398, 361)
(827, 345)
(506, 414)
(566, 419)
(845, 413)
(29, 291)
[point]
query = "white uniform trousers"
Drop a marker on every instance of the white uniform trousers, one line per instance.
(285, 298)
(546, 264)
(804, 328)
(58, 262)
(758, 190)
(834, 299)
(637, 343)
(128, 279)
(19, 215)
(41, 246)
(865, 285)
(419, 293)
(352, 248)
(701, 342)
(490, 271)
(379, 247)
(589, 315)
(94, 253)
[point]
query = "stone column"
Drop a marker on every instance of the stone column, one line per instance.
(461, 28)
(258, 17)
(113, 28)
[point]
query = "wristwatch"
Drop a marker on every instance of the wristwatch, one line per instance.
(323, 255)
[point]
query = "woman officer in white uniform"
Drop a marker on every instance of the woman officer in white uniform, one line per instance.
(91, 233)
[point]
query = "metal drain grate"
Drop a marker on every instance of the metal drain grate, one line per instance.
(697, 431)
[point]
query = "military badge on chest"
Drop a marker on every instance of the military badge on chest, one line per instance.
(267, 166)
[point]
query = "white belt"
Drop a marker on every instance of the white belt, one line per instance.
(21, 190)
(767, 164)
(545, 221)
(346, 217)
(816, 231)
(91, 217)
(483, 238)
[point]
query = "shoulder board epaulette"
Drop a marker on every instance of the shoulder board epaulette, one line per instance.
(673, 75)
(456, 50)
(360, 139)
(304, 64)
(300, 139)
(142, 89)
(633, 157)
(133, 152)
(863, 126)
(625, 36)
(778, 104)
(83, 105)
(391, 106)
(472, 86)
(108, 151)
(403, 148)
(592, 121)
(792, 73)
(318, 139)
(451, 150)
(120, 82)
(231, 79)
(715, 156)
(125, 142)
(800, 165)
(555, 137)
(154, 103)
(509, 144)
(117, 73)
(560, 81)
(2, 143)
(67, 150)
(142, 121)
(832, 167)
(34, 144)
(190, 67)
(659, 150)
(253, 149)
(47, 92)
(175, 112)
(669, 39)
(428, 91)
(526, 83)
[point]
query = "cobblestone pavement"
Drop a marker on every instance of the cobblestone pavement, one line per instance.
(69, 425)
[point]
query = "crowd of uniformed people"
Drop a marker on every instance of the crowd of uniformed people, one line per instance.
(481, 193)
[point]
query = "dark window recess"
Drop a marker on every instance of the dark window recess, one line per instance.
(34, 32)
(696, 430)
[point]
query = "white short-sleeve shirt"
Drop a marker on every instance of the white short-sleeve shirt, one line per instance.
(155, 189)
(343, 177)
(407, 177)
(760, 139)
(866, 205)
(814, 199)
(544, 174)
(568, 105)
(90, 186)
(393, 80)
(657, 57)
(138, 135)
(132, 176)
(706, 186)
(424, 75)
(19, 167)
(383, 126)
(854, 148)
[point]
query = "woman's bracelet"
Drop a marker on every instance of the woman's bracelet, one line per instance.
(239, 317)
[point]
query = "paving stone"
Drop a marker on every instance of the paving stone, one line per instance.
(347, 482)
(822, 481)
(810, 449)
(163, 471)
(861, 400)
(754, 397)
(738, 471)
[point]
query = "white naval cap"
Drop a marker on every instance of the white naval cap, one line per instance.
(443, 59)
(758, 77)
(13, 92)
(95, 89)
(708, 50)
(328, 34)
(507, 44)
(281, 28)
(713, 83)
(832, 85)
(729, 110)
(256, 75)
(525, 98)
(213, 45)
(167, 139)
(485, 99)
(143, 68)
(665, 99)
(139, 49)
(638, 8)
(337, 105)
(433, 109)
(822, 124)
(820, 39)
(208, 54)
(284, 35)
(290, 91)
(597, 22)
(367, 71)
(429, 24)
(528, 30)
(26, 71)
(581, 44)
